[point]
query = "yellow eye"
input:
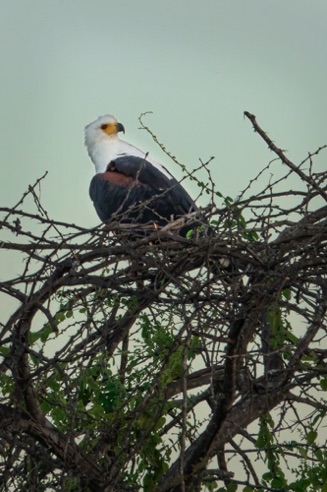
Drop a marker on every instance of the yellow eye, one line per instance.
(104, 126)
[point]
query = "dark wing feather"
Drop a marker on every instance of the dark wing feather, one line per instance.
(136, 191)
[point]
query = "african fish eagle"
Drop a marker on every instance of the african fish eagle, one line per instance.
(128, 185)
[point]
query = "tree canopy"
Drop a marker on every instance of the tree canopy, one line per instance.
(136, 359)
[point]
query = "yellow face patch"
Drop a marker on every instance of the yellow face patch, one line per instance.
(109, 128)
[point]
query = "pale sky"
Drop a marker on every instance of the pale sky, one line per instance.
(196, 64)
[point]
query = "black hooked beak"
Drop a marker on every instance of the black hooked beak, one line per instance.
(120, 128)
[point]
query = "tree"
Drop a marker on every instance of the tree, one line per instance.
(136, 359)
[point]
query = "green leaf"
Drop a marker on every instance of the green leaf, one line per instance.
(268, 476)
(311, 436)
(148, 483)
(46, 332)
(59, 317)
(323, 384)
(42, 334)
(250, 236)
(287, 294)
(303, 452)
(160, 423)
(324, 487)
(292, 338)
(4, 350)
(278, 483)
(260, 442)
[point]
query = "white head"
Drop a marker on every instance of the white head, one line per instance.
(101, 140)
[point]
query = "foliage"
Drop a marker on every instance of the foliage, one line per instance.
(136, 359)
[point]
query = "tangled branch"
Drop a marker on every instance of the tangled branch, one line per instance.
(136, 358)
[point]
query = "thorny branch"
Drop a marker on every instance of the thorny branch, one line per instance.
(133, 357)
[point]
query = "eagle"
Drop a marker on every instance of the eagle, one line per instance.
(129, 186)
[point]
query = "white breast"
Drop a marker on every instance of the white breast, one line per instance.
(103, 150)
